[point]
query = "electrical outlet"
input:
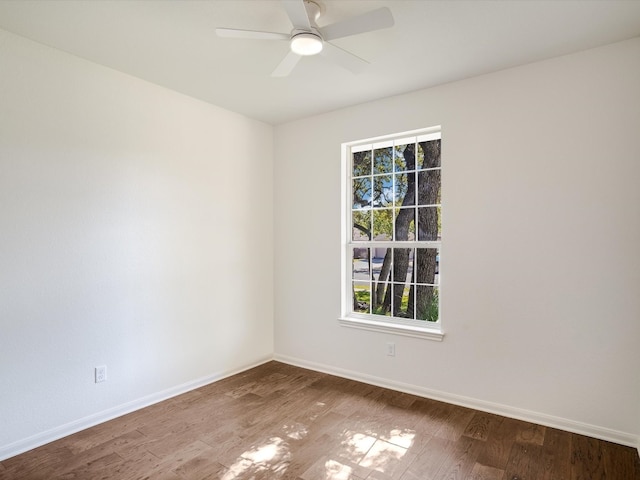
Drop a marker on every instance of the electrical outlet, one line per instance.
(101, 374)
(391, 349)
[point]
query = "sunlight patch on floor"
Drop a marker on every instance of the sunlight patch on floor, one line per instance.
(356, 445)
(295, 431)
(356, 454)
(382, 456)
(273, 456)
(336, 471)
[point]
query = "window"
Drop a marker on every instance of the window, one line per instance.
(392, 234)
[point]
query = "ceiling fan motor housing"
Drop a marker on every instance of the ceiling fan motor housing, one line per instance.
(306, 43)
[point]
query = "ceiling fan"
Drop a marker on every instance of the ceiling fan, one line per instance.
(307, 38)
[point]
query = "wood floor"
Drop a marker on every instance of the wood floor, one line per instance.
(277, 421)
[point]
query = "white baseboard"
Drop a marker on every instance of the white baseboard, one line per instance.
(595, 431)
(29, 443)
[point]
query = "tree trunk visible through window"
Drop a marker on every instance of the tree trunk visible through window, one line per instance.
(391, 281)
(428, 194)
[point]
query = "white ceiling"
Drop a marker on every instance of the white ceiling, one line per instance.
(173, 44)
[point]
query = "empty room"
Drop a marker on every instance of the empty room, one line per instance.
(319, 240)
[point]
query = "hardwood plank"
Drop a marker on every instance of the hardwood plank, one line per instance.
(174, 461)
(99, 468)
(531, 433)
(430, 460)
(433, 414)
(325, 448)
(320, 425)
(125, 446)
(349, 448)
(288, 383)
(397, 399)
(357, 398)
(268, 457)
(392, 424)
(387, 461)
(329, 435)
(499, 443)
(456, 424)
(480, 425)
(524, 462)
(167, 443)
(461, 460)
(318, 407)
(223, 474)
(586, 458)
(246, 469)
(228, 446)
(39, 463)
(556, 455)
(620, 461)
(327, 468)
(482, 472)
(404, 429)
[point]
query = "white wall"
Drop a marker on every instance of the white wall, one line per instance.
(136, 232)
(541, 230)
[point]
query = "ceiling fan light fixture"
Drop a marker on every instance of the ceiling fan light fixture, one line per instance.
(306, 43)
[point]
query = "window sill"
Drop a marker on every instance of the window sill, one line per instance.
(406, 330)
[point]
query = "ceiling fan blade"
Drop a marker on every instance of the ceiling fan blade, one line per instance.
(343, 58)
(251, 34)
(297, 13)
(367, 22)
(286, 65)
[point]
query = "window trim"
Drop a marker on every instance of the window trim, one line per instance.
(388, 327)
(371, 322)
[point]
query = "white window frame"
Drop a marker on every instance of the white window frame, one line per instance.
(370, 321)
